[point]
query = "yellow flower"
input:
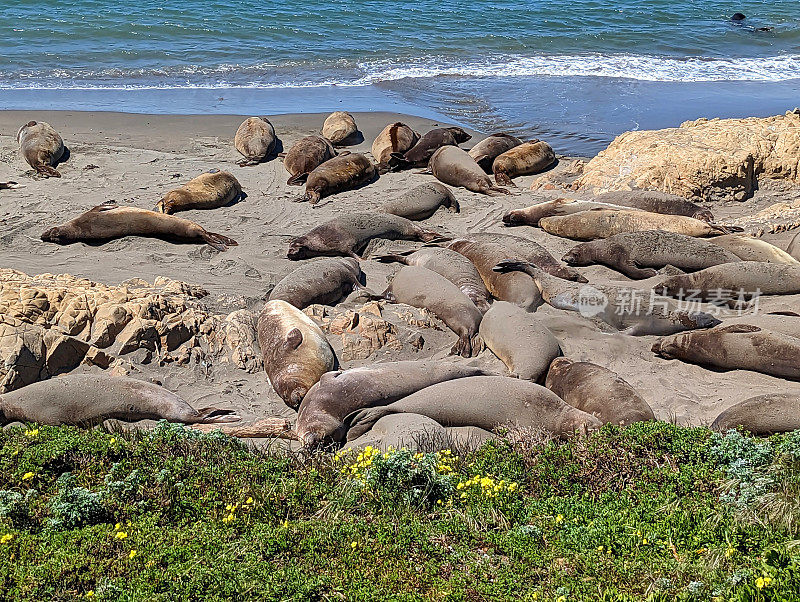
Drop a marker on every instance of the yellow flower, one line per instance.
(535, 595)
(354, 545)
(560, 518)
(120, 535)
(6, 538)
(31, 433)
(730, 552)
(644, 542)
(90, 594)
(561, 599)
(767, 581)
(249, 501)
(27, 476)
(599, 548)
(513, 486)
(760, 583)
(132, 554)
(118, 526)
(113, 440)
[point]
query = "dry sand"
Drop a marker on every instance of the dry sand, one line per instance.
(134, 159)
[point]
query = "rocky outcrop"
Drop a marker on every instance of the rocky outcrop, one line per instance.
(775, 218)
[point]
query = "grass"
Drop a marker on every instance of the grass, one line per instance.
(652, 512)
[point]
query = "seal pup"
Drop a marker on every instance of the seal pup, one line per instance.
(339, 127)
(394, 138)
(527, 158)
(41, 146)
(207, 191)
(86, 399)
(422, 201)
(598, 391)
(488, 402)
(350, 234)
(748, 248)
(296, 352)
(744, 278)
(491, 147)
(420, 154)
(324, 281)
(10, 185)
(453, 165)
(656, 202)
(109, 220)
(343, 172)
(519, 340)
(255, 140)
(611, 304)
(639, 254)
(794, 247)
(305, 156)
(736, 347)
(424, 288)
(530, 216)
(452, 265)
(762, 415)
(320, 418)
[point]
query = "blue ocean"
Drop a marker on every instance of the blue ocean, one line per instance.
(574, 72)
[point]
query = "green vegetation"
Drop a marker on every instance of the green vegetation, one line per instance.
(651, 512)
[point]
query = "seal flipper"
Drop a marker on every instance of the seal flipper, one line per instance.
(47, 170)
(497, 190)
(294, 339)
(297, 180)
(216, 415)
(394, 258)
(218, 241)
(245, 162)
(359, 422)
(739, 329)
(397, 161)
(107, 206)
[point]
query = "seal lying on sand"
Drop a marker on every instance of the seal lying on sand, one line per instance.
(452, 165)
(207, 191)
(762, 415)
(9, 185)
(421, 152)
(656, 202)
(639, 254)
(320, 418)
(598, 391)
(422, 201)
(519, 340)
(794, 247)
(531, 216)
(339, 127)
(745, 278)
(343, 172)
(85, 399)
(491, 147)
(296, 352)
(305, 156)
(736, 347)
(419, 433)
(394, 138)
(488, 402)
(323, 281)
(255, 140)
(109, 220)
(349, 235)
(748, 248)
(527, 158)
(41, 146)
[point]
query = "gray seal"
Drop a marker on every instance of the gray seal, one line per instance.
(762, 415)
(422, 201)
(748, 248)
(255, 140)
(491, 147)
(420, 154)
(453, 165)
(744, 279)
(325, 281)
(305, 156)
(41, 146)
(656, 201)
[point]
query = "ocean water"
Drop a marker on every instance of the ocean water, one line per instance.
(577, 72)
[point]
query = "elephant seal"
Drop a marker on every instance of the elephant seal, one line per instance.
(736, 347)
(9, 185)
(394, 138)
(41, 146)
(420, 154)
(207, 191)
(519, 340)
(296, 352)
(528, 158)
(343, 172)
(305, 156)
(656, 201)
(616, 306)
(639, 254)
(422, 201)
(491, 147)
(339, 128)
(598, 391)
(86, 399)
(745, 279)
(349, 235)
(419, 433)
(748, 248)
(452, 165)
(762, 415)
(320, 418)
(452, 265)
(325, 281)
(488, 402)
(424, 288)
(531, 216)
(255, 140)
(109, 220)
(516, 287)
(602, 223)
(794, 247)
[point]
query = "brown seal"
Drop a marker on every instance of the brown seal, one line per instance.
(527, 158)
(762, 415)
(255, 139)
(453, 165)
(320, 418)
(422, 201)
(296, 352)
(748, 248)
(305, 156)
(794, 247)
(743, 279)
(343, 172)
(349, 235)
(491, 147)
(420, 153)
(598, 391)
(339, 128)
(109, 220)
(530, 216)
(86, 399)
(323, 281)
(656, 202)
(41, 146)
(207, 191)
(394, 138)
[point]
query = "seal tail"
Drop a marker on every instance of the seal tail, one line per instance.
(47, 170)
(216, 415)
(511, 265)
(361, 421)
(161, 207)
(467, 346)
(394, 257)
(298, 180)
(431, 236)
(502, 179)
(497, 190)
(248, 162)
(720, 229)
(397, 162)
(10, 185)
(218, 241)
